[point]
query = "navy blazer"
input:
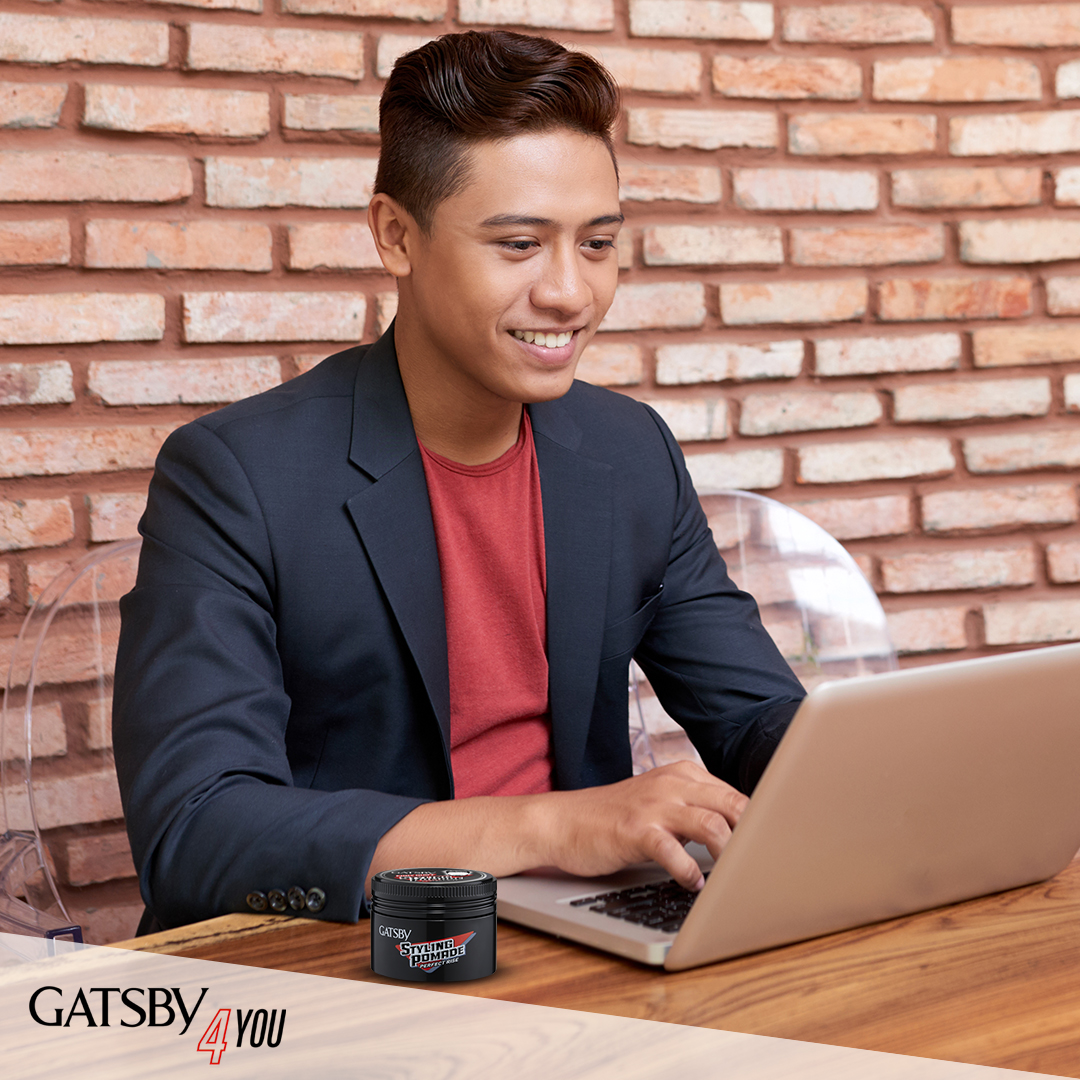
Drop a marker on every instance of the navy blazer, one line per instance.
(282, 694)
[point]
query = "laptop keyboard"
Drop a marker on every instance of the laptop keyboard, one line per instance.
(660, 905)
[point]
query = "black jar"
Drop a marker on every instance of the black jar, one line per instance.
(431, 924)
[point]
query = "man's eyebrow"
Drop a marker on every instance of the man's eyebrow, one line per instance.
(500, 221)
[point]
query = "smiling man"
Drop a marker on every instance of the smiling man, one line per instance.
(384, 612)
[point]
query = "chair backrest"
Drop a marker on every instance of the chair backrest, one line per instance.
(61, 671)
(820, 610)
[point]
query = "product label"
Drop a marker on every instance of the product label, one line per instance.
(428, 955)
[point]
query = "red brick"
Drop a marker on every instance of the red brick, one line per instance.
(879, 459)
(982, 188)
(702, 129)
(957, 78)
(693, 419)
(1032, 621)
(611, 364)
(922, 630)
(29, 523)
(103, 924)
(1005, 346)
(392, 46)
(173, 382)
(212, 5)
(982, 509)
(31, 105)
(307, 361)
(793, 302)
(115, 516)
(1027, 450)
(36, 384)
(1072, 393)
(56, 451)
(5, 582)
(77, 800)
(954, 298)
(742, 470)
(979, 568)
(771, 414)
(787, 78)
(273, 316)
(657, 71)
(26, 243)
(860, 519)
(80, 176)
(420, 10)
(1067, 80)
(675, 304)
(1020, 240)
(1018, 25)
(805, 189)
(77, 659)
(87, 860)
(858, 24)
(1015, 133)
(717, 361)
(47, 735)
(47, 39)
(175, 110)
(99, 723)
(850, 133)
(867, 245)
(1063, 295)
(220, 47)
(878, 355)
(971, 399)
(712, 245)
(332, 112)
(713, 20)
(332, 245)
(553, 14)
(178, 245)
(329, 183)
(624, 249)
(385, 309)
(678, 183)
(1063, 561)
(62, 318)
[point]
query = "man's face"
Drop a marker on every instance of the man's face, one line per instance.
(518, 270)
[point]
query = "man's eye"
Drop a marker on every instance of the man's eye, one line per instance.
(598, 244)
(519, 245)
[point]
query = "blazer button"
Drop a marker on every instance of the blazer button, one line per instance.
(277, 900)
(256, 901)
(316, 900)
(296, 898)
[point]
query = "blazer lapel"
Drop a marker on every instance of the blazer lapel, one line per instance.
(577, 498)
(393, 518)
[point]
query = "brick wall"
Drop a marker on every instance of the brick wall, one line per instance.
(851, 276)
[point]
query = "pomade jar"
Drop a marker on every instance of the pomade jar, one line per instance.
(433, 924)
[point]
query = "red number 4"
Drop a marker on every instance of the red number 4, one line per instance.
(213, 1038)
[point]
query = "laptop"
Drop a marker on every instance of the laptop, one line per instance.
(889, 794)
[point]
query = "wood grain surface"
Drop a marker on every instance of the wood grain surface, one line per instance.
(994, 981)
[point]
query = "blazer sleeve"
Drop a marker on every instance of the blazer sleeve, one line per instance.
(200, 713)
(713, 665)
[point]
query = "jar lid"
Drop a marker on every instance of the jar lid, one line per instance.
(432, 883)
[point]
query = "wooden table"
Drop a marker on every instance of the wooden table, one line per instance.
(994, 981)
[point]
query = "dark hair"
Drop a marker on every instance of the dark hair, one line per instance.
(465, 88)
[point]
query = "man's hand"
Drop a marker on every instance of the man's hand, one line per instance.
(588, 832)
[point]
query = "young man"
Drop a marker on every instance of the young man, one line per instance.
(384, 612)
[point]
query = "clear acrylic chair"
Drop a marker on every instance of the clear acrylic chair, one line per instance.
(64, 655)
(822, 613)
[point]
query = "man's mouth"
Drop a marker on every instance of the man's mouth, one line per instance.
(543, 339)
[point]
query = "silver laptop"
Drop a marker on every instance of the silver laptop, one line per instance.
(889, 794)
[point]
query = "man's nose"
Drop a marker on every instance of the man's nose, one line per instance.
(562, 286)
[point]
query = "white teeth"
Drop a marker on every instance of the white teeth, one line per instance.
(548, 341)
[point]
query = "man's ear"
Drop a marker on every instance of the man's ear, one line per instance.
(395, 231)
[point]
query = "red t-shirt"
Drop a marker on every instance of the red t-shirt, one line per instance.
(489, 528)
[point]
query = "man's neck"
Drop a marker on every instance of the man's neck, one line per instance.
(448, 420)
